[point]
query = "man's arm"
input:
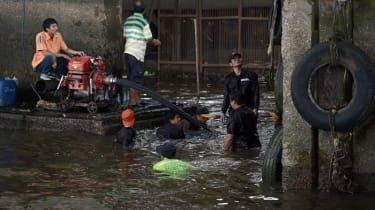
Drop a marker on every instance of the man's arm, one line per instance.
(148, 36)
(71, 52)
(255, 93)
(232, 130)
(67, 50)
(225, 105)
(228, 142)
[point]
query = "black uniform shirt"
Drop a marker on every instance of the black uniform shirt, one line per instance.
(242, 124)
(125, 137)
(170, 131)
(247, 84)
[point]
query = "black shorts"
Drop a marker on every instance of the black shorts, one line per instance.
(134, 68)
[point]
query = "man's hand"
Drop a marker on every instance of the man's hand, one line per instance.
(222, 117)
(54, 65)
(80, 53)
(256, 112)
(156, 42)
(74, 52)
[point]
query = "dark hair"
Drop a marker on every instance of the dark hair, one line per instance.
(237, 97)
(47, 23)
(171, 115)
(167, 150)
(233, 55)
(198, 109)
(138, 6)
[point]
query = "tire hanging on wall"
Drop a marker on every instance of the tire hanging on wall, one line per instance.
(278, 88)
(272, 167)
(362, 102)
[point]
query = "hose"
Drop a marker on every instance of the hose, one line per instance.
(157, 97)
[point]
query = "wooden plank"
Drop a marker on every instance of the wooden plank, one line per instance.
(178, 62)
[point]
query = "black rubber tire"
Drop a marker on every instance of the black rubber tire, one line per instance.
(362, 103)
(272, 166)
(64, 106)
(157, 97)
(92, 107)
(278, 88)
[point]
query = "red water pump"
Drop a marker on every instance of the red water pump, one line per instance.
(85, 73)
(85, 86)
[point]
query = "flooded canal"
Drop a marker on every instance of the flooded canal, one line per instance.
(83, 171)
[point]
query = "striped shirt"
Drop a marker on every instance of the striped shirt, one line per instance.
(137, 33)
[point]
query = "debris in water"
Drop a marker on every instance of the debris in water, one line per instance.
(270, 199)
(264, 198)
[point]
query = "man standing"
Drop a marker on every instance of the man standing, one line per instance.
(137, 33)
(242, 131)
(52, 54)
(244, 82)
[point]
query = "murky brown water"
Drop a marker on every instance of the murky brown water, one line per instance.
(84, 171)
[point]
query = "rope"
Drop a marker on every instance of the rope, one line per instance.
(341, 164)
(334, 53)
(340, 17)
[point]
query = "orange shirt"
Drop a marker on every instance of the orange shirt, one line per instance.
(45, 42)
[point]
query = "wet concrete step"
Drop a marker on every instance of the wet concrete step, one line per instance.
(101, 123)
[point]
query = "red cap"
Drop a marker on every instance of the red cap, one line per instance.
(128, 118)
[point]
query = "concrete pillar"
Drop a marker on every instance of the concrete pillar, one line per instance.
(296, 41)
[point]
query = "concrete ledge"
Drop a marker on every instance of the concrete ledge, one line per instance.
(101, 123)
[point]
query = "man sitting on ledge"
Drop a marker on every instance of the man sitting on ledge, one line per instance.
(52, 54)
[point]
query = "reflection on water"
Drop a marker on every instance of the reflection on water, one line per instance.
(84, 171)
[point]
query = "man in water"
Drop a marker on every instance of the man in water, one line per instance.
(201, 114)
(126, 135)
(51, 54)
(169, 164)
(241, 128)
(171, 130)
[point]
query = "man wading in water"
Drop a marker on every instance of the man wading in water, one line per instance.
(243, 82)
(241, 127)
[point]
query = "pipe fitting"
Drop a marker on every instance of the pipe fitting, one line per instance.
(110, 80)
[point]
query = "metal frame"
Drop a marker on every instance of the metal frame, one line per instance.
(199, 17)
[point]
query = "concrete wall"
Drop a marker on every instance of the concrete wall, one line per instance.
(364, 144)
(297, 133)
(295, 41)
(90, 25)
